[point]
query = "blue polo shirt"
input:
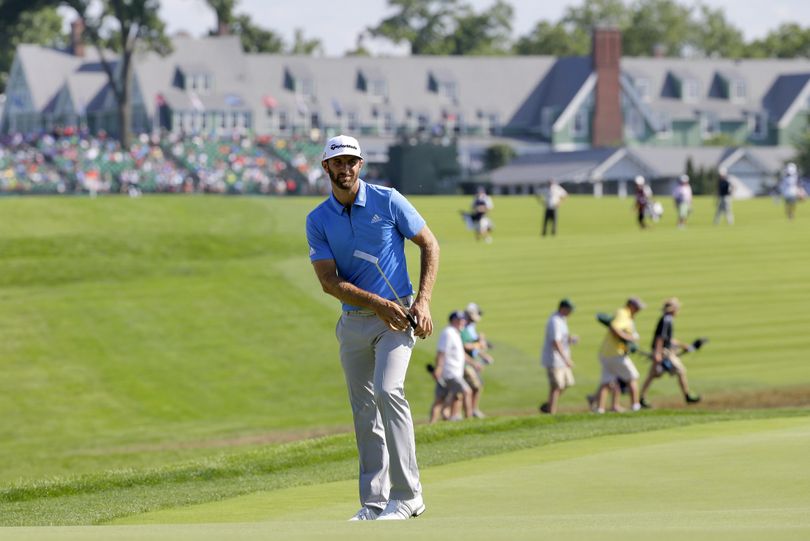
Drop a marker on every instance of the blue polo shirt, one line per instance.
(378, 224)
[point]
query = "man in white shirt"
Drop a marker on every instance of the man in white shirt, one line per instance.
(556, 355)
(553, 196)
(449, 370)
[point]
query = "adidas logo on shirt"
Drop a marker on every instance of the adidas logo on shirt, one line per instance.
(311, 250)
(376, 218)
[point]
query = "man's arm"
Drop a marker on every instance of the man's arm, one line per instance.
(658, 349)
(437, 372)
(343, 290)
(558, 346)
(622, 334)
(429, 267)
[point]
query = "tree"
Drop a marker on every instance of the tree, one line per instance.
(423, 23)
(42, 26)
(553, 39)
(497, 156)
(225, 15)
(788, 41)
(484, 33)
(658, 23)
(134, 24)
(597, 12)
(255, 39)
(302, 45)
(715, 36)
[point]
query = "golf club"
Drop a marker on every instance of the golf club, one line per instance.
(371, 259)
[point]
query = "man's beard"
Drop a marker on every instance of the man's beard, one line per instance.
(344, 183)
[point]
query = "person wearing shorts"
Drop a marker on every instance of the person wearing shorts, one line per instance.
(379, 327)
(613, 355)
(556, 355)
(664, 359)
(449, 371)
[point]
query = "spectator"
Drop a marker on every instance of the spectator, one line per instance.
(481, 222)
(477, 357)
(683, 200)
(556, 355)
(724, 196)
(791, 189)
(552, 197)
(449, 370)
(643, 201)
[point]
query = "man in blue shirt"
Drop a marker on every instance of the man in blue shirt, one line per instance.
(374, 332)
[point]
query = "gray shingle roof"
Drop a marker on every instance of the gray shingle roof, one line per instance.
(533, 169)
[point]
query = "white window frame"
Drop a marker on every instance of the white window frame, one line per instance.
(579, 124)
(737, 90)
(690, 90)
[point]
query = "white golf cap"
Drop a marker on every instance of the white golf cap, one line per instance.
(791, 168)
(639, 180)
(341, 145)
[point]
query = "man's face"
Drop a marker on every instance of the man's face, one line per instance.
(343, 171)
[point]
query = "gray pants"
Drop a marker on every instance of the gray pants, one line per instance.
(375, 360)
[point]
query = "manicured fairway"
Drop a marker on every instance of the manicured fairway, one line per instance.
(730, 480)
(156, 351)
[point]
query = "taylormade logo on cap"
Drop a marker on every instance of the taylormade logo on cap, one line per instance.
(341, 145)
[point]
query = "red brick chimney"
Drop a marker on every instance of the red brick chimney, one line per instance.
(77, 37)
(607, 116)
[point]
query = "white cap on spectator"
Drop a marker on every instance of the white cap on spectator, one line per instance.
(341, 145)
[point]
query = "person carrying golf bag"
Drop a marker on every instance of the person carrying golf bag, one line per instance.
(664, 359)
(356, 246)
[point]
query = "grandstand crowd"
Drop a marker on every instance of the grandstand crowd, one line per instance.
(68, 161)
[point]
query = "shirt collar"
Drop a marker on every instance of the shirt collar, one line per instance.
(359, 201)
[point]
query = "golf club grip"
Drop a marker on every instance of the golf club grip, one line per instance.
(411, 320)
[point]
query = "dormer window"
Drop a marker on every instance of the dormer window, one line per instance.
(682, 85)
(372, 82)
(690, 89)
(299, 80)
(194, 78)
(443, 84)
(737, 90)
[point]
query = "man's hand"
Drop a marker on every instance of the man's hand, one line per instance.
(424, 323)
(392, 314)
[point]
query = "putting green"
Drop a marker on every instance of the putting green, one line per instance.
(732, 480)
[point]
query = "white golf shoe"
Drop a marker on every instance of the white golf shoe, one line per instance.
(366, 513)
(403, 509)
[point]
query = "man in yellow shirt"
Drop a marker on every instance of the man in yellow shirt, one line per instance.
(613, 355)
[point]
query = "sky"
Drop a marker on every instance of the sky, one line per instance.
(337, 23)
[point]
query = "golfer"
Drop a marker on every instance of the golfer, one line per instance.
(663, 354)
(375, 336)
